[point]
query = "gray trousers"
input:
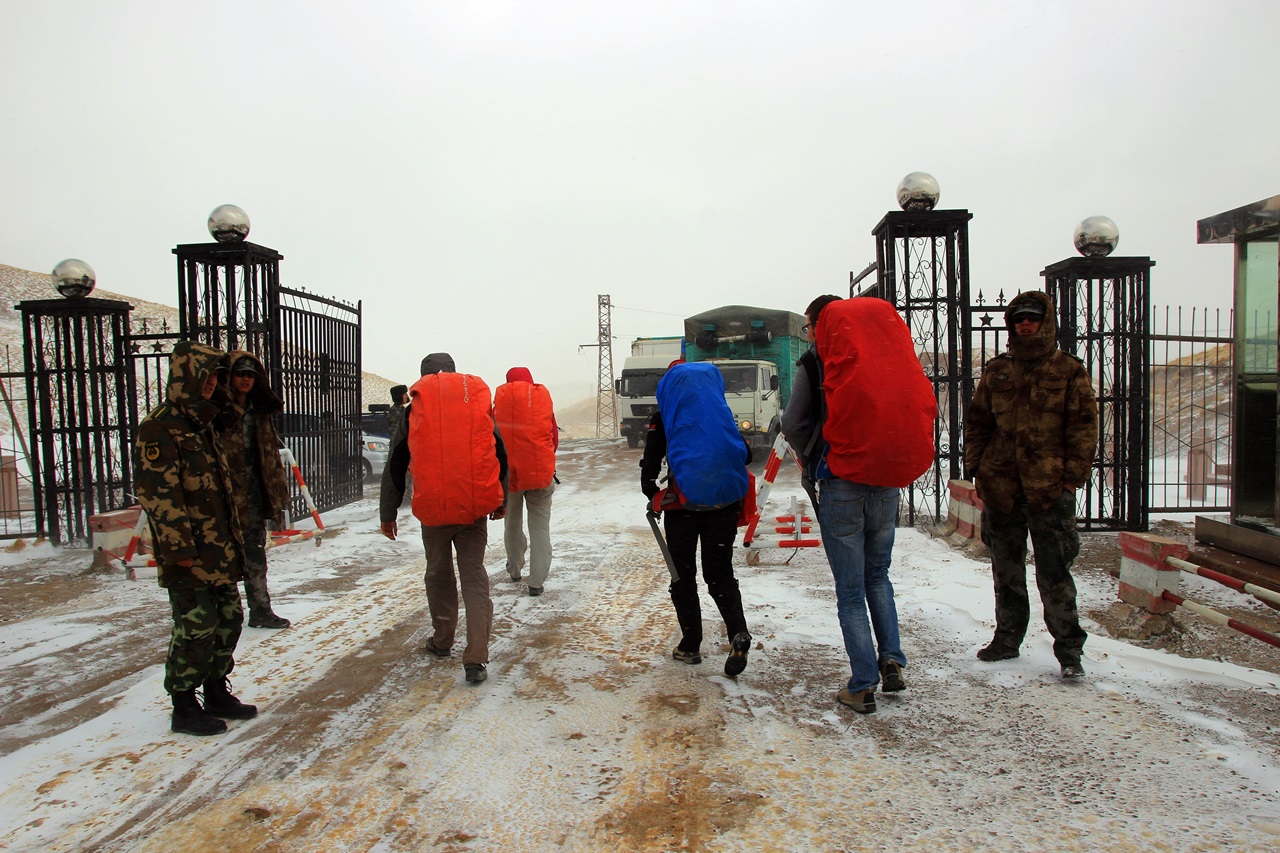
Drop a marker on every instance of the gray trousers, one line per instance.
(538, 542)
(469, 541)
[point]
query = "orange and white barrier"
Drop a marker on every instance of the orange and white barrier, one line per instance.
(286, 457)
(964, 514)
(792, 527)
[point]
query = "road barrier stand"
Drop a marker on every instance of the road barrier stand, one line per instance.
(792, 528)
(111, 545)
(1151, 570)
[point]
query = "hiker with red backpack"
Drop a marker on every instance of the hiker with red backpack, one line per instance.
(707, 482)
(459, 467)
(878, 412)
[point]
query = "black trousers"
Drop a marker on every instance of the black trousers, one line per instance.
(717, 530)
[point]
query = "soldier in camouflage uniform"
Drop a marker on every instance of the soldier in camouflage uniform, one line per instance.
(1030, 436)
(183, 483)
(261, 491)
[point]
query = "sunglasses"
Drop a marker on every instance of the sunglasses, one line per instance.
(1023, 317)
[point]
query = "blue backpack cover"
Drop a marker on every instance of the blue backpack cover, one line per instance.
(705, 451)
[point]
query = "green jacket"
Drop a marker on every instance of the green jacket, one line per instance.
(182, 478)
(274, 486)
(1032, 426)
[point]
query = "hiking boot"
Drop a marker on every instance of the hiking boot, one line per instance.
(433, 649)
(864, 701)
(737, 660)
(891, 680)
(219, 702)
(535, 590)
(515, 576)
(190, 719)
(1072, 670)
(992, 652)
(476, 672)
(686, 657)
(267, 620)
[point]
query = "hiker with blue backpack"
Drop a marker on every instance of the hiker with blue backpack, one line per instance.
(706, 486)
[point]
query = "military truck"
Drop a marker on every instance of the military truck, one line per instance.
(755, 350)
(637, 388)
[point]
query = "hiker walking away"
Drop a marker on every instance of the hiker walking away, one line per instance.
(802, 418)
(459, 470)
(526, 420)
(183, 483)
(1030, 437)
(878, 428)
(694, 432)
(261, 492)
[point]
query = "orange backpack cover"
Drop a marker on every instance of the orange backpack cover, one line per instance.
(523, 411)
(880, 406)
(452, 452)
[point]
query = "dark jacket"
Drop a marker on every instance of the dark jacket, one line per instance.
(269, 479)
(183, 480)
(1032, 426)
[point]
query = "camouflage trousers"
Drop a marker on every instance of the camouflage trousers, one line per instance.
(256, 595)
(1056, 543)
(206, 627)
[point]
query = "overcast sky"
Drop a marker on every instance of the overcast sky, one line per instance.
(475, 174)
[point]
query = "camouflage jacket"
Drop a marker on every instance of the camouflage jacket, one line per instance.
(183, 480)
(265, 404)
(1032, 426)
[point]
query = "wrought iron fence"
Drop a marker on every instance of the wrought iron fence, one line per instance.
(1192, 382)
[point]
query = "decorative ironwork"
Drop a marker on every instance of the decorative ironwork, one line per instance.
(79, 386)
(922, 259)
(1104, 319)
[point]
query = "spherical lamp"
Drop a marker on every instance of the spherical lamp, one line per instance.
(918, 191)
(74, 278)
(229, 224)
(1096, 237)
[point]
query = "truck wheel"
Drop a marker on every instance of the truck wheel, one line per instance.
(633, 440)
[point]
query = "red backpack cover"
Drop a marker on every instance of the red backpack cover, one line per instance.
(452, 453)
(880, 406)
(523, 411)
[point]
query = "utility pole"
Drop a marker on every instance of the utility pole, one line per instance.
(606, 409)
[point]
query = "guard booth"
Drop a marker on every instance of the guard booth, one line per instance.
(1254, 528)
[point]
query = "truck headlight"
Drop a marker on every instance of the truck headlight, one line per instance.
(745, 425)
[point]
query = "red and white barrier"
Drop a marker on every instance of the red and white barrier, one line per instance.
(1151, 570)
(964, 514)
(286, 457)
(114, 525)
(792, 526)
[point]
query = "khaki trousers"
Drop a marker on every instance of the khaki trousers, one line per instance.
(468, 541)
(538, 542)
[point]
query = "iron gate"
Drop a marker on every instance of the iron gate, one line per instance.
(1103, 305)
(923, 263)
(1104, 308)
(230, 297)
(77, 387)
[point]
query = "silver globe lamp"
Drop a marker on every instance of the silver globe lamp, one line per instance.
(918, 191)
(74, 279)
(1096, 237)
(229, 224)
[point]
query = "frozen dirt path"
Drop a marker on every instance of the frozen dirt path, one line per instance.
(587, 736)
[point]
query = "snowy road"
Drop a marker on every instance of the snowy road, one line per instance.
(587, 736)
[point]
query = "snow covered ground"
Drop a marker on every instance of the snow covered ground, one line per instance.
(587, 736)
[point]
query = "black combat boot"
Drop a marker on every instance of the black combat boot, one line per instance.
(189, 718)
(219, 702)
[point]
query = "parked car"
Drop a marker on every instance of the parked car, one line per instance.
(373, 452)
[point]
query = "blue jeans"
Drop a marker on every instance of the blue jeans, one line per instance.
(858, 524)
